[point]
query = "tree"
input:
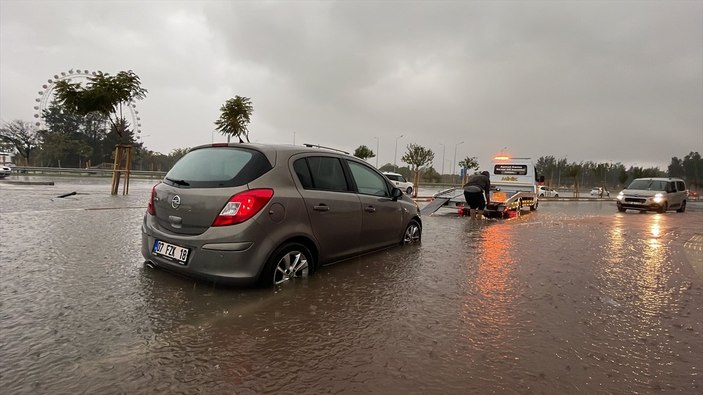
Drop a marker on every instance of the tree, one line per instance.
(22, 135)
(468, 163)
(364, 152)
(104, 94)
(676, 168)
(693, 168)
(546, 165)
(431, 175)
(235, 117)
(574, 170)
(88, 131)
(417, 157)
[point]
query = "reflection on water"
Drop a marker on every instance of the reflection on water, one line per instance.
(640, 256)
(654, 276)
(495, 263)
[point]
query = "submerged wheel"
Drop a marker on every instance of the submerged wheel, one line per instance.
(682, 208)
(662, 209)
(412, 234)
(621, 209)
(534, 206)
(290, 261)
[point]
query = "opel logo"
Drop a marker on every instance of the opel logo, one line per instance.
(176, 201)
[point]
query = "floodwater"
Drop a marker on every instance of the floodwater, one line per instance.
(572, 298)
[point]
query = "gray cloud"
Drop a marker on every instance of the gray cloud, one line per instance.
(618, 81)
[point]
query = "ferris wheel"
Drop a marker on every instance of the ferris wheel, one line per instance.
(76, 76)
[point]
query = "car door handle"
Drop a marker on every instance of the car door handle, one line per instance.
(370, 209)
(321, 207)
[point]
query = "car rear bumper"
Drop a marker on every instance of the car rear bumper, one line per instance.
(230, 263)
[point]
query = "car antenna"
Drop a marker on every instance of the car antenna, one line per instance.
(321, 146)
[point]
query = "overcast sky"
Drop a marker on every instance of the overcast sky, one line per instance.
(618, 81)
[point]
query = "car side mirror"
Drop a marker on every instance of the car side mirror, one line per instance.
(396, 193)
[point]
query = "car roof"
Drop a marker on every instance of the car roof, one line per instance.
(659, 178)
(280, 151)
(282, 148)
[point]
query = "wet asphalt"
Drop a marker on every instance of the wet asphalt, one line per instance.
(572, 298)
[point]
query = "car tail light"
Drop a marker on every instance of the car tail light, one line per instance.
(150, 205)
(243, 206)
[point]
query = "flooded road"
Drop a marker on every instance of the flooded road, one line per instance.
(573, 298)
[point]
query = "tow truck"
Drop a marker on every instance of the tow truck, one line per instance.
(514, 186)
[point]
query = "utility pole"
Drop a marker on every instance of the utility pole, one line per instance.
(443, 149)
(395, 155)
(376, 151)
(454, 163)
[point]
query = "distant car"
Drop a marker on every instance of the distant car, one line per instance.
(5, 171)
(600, 192)
(399, 181)
(242, 213)
(654, 194)
(546, 192)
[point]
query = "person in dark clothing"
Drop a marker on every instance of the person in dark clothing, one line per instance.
(476, 191)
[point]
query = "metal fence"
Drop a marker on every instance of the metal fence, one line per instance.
(95, 172)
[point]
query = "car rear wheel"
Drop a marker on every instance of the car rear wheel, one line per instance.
(288, 262)
(682, 208)
(409, 190)
(412, 234)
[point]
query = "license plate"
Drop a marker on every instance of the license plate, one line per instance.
(498, 197)
(168, 250)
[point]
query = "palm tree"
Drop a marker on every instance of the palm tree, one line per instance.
(235, 116)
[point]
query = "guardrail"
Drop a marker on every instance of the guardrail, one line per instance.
(17, 170)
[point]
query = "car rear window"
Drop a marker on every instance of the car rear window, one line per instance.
(214, 167)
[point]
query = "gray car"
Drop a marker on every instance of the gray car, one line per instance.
(655, 194)
(247, 213)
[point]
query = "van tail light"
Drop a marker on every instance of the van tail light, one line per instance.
(150, 205)
(243, 206)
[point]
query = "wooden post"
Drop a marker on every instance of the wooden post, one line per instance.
(123, 163)
(128, 167)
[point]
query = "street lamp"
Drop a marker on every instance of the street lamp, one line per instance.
(395, 154)
(444, 148)
(376, 152)
(454, 163)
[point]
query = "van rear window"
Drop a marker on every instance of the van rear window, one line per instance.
(213, 167)
(512, 170)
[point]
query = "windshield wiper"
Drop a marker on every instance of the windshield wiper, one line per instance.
(179, 182)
